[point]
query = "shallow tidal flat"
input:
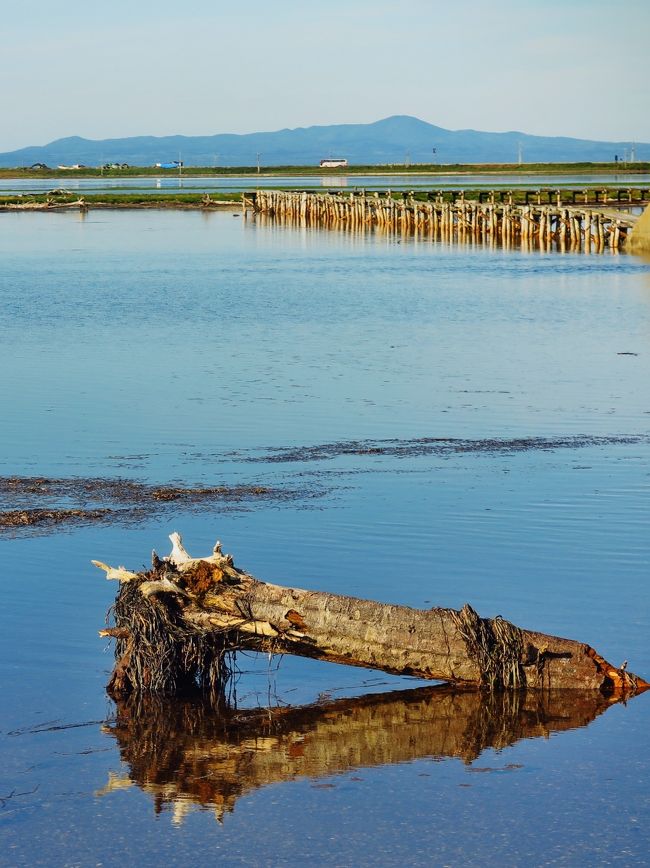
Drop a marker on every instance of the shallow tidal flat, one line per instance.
(387, 418)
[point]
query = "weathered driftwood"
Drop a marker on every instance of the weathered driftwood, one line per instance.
(184, 755)
(175, 624)
(48, 205)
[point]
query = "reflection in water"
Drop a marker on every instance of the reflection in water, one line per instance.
(361, 234)
(334, 181)
(186, 753)
(401, 180)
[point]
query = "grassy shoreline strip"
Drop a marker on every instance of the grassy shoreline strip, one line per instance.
(188, 201)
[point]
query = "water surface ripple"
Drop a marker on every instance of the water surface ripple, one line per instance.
(477, 424)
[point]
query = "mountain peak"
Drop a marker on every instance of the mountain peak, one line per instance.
(404, 121)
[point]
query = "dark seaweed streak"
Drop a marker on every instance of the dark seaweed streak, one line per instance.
(431, 446)
(41, 503)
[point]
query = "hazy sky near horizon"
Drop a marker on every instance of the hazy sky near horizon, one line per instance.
(549, 67)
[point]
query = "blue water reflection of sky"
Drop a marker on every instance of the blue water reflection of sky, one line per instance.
(171, 346)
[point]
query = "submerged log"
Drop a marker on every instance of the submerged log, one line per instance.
(176, 624)
(188, 754)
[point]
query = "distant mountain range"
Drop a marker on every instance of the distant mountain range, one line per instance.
(399, 139)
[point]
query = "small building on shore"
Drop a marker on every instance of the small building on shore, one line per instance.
(334, 163)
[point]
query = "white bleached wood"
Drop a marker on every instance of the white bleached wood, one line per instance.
(119, 574)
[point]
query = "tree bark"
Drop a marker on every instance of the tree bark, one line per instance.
(209, 598)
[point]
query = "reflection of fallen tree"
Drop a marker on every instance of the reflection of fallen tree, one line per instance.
(176, 624)
(186, 753)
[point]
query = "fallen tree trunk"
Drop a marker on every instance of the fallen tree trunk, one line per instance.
(176, 624)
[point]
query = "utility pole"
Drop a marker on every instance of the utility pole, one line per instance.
(520, 153)
(258, 163)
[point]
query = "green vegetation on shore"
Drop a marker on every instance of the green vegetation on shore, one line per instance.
(391, 169)
(127, 200)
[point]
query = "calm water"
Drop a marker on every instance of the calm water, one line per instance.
(9, 186)
(179, 346)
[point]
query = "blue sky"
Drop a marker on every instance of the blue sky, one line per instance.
(577, 68)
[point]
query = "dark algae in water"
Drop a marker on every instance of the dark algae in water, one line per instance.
(40, 502)
(22, 518)
(420, 446)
